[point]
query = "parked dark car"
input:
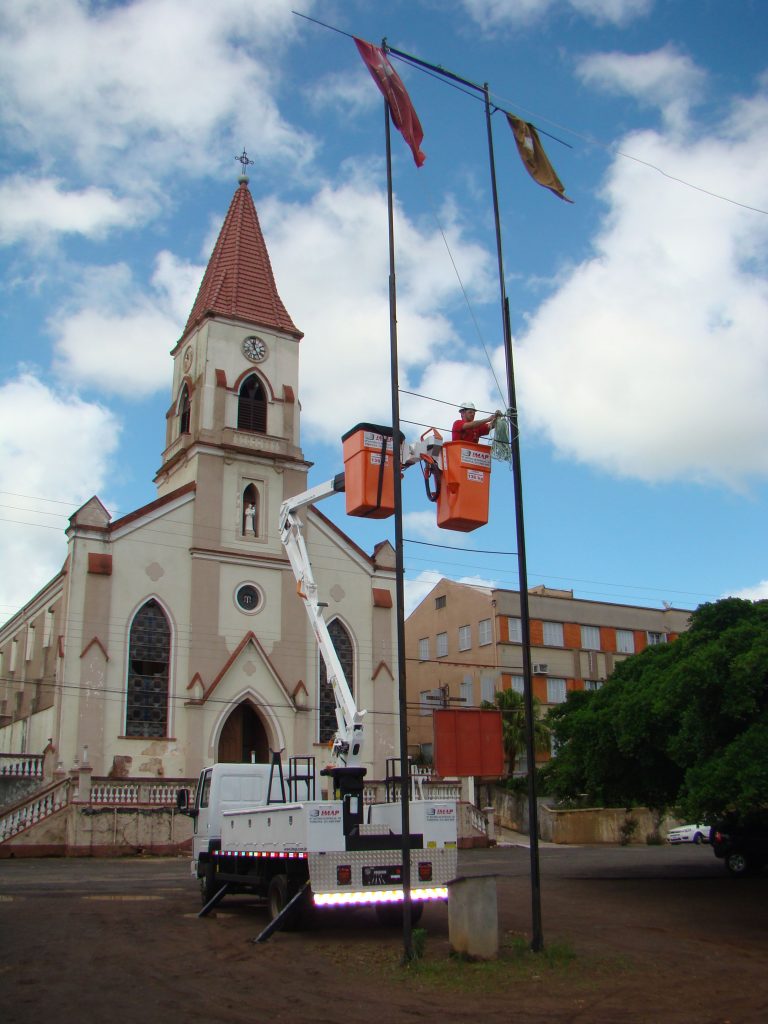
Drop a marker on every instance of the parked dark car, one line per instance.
(742, 843)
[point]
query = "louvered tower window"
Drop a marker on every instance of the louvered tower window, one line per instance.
(148, 664)
(252, 406)
(342, 643)
(184, 409)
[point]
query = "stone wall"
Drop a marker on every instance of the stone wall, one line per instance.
(583, 825)
(81, 830)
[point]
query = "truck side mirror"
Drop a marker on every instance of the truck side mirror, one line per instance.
(182, 800)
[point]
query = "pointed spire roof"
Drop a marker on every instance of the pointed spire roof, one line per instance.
(238, 282)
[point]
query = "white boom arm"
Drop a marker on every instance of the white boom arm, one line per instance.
(348, 743)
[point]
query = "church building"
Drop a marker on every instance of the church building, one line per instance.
(174, 635)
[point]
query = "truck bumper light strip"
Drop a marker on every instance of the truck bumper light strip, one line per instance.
(268, 854)
(336, 899)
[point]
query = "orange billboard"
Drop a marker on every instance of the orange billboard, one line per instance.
(468, 742)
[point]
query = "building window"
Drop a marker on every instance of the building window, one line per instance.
(148, 669)
(442, 645)
(48, 628)
(590, 638)
(248, 598)
(424, 649)
(184, 410)
(515, 627)
(465, 638)
(440, 602)
(467, 693)
(518, 684)
(484, 632)
(487, 688)
(656, 638)
(555, 690)
(553, 634)
(592, 684)
(29, 652)
(252, 406)
(342, 644)
(625, 641)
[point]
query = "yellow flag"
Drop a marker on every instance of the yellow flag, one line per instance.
(533, 156)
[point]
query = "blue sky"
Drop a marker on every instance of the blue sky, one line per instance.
(639, 313)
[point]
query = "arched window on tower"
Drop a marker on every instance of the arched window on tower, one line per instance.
(250, 524)
(149, 653)
(342, 642)
(252, 406)
(184, 410)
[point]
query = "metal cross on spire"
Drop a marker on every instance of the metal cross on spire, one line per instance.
(243, 159)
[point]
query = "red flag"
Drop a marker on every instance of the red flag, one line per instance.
(534, 158)
(400, 107)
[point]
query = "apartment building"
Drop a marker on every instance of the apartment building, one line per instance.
(463, 643)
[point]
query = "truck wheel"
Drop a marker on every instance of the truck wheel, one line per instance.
(279, 895)
(391, 914)
(738, 864)
(209, 884)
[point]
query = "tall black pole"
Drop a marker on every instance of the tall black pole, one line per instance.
(537, 940)
(405, 779)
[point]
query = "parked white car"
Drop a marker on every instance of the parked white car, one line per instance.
(689, 834)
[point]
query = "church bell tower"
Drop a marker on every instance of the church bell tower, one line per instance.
(233, 425)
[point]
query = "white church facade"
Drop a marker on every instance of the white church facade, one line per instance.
(174, 636)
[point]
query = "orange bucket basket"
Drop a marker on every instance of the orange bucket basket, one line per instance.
(462, 503)
(369, 481)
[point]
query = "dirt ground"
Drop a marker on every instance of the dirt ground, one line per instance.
(651, 936)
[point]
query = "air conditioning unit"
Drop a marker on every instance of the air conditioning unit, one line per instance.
(540, 668)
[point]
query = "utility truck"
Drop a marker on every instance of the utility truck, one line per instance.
(265, 830)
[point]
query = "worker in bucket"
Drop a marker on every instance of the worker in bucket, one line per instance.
(467, 428)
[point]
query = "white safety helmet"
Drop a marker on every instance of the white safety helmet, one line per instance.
(467, 405)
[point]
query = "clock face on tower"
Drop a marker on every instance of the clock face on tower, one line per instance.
(254, 348)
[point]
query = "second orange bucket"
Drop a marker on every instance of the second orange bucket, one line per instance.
(462, 503)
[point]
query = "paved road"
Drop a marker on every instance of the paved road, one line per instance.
(154, 876)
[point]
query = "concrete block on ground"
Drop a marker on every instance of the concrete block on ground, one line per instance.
(473, 917)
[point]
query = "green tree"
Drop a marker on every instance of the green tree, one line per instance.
(681, 725)
(512, 707)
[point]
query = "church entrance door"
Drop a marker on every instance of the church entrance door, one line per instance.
(243, 737)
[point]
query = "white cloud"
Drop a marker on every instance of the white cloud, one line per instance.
(54, 454)
(492, 14)
(117, 340)
(34, 209)
(664, 78)
(416, 589)
(758, 592)
(340, 301)
(651, 360)
(349, 91)
(130, 89)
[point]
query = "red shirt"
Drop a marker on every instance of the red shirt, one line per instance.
(464, 431)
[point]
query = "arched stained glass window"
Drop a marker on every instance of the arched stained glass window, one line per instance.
(342, 642)
(148, 669)
(252, 406)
